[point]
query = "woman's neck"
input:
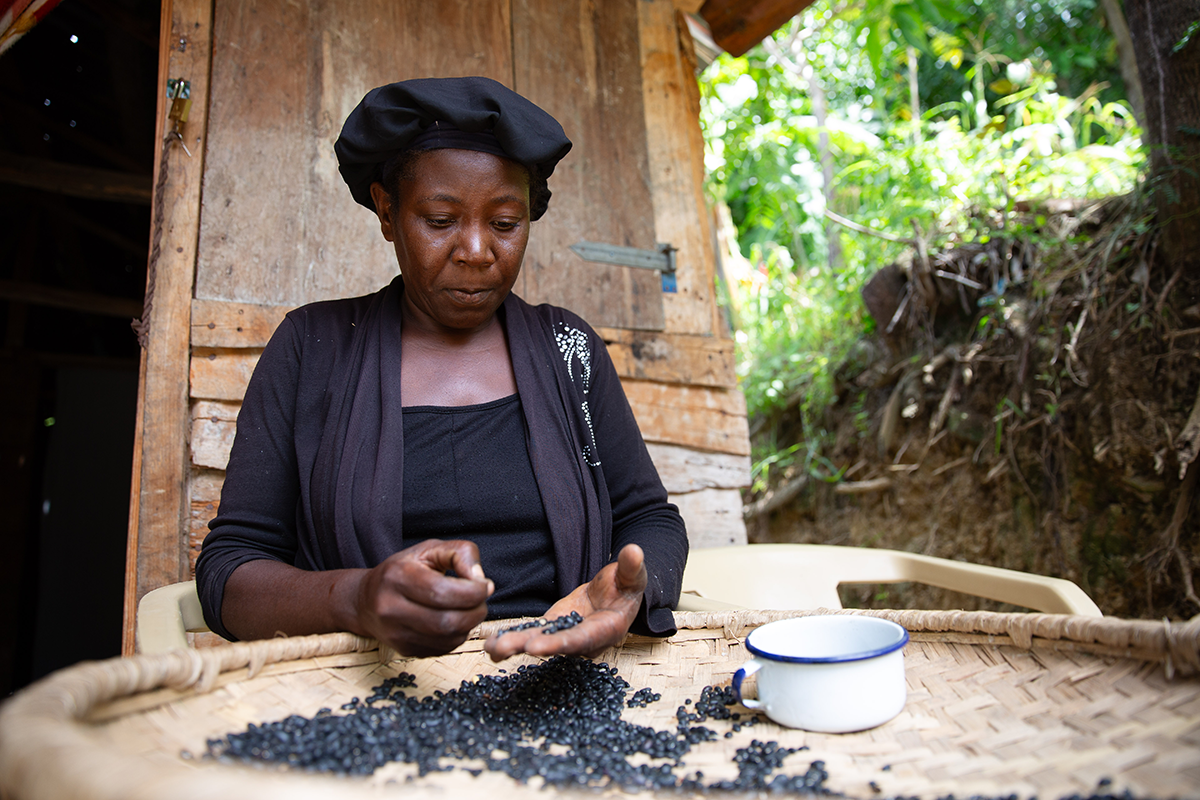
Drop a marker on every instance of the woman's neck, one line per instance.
(454, 368)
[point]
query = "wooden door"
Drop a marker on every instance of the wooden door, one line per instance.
(580, 60)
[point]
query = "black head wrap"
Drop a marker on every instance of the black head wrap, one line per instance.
(462, 113)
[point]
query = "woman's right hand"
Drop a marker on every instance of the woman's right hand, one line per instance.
(409, 601)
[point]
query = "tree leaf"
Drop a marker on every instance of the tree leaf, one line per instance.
(929, 12)
(949, 11)
(1002, 87)
(911, 26)
(1187, 36)
(875, 45)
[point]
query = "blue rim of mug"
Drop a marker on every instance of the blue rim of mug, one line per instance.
(862, 655)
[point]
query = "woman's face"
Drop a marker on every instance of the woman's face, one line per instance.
(459, 228)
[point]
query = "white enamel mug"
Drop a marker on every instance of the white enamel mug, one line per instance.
(831, 674)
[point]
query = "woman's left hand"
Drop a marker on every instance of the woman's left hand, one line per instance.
(608, 604)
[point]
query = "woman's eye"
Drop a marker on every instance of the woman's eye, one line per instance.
(505, 225)
(439, 222)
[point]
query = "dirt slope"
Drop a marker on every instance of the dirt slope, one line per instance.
(1029, 409)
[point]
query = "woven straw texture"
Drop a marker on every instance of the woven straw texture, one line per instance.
(998, 704)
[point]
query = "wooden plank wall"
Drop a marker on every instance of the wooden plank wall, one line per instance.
(580, 60)
(261, 251)
(158, 497)
(682, 387)
(676, 161)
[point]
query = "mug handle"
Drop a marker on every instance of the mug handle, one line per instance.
(749, 668)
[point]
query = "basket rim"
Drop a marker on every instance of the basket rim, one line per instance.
(51, 715)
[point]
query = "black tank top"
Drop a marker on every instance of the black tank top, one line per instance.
(467, 475)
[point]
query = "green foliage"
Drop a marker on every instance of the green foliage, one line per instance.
(798, 326)
(1020, 102)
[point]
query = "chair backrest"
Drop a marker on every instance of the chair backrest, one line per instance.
(800, 576)
(166, 616)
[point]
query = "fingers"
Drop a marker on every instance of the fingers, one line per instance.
(588, 638)
(506, 645)
(597, 633)
(631, 569)
(608, 603)
(411, 603)
(423, 574)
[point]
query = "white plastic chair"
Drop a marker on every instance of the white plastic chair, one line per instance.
(760, 576)
(802, 576)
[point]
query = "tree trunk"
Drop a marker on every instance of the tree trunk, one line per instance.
(914, 95)
(1169, 66)
(1129, 70)
(792, 57)
(816, 94)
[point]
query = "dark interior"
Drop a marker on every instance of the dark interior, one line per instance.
(78, 101)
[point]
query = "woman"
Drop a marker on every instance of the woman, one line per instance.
(394, 451)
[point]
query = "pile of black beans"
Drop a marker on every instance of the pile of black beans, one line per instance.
(547, 625)
(714, 703)
(559, 720)
(642, 698)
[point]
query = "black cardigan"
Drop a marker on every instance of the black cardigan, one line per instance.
(315, 474)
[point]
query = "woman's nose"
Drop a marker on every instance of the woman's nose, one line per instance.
(474, 247)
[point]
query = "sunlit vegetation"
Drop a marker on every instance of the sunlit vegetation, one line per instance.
(924, 122)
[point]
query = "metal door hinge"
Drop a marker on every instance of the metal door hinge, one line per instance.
(662, 258)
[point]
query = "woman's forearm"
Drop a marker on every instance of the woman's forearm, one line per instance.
(409, 601)
(266, 597)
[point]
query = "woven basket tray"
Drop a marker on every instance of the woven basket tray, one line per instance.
(998, 704)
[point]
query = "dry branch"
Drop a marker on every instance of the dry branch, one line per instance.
(943, 408)
(854, 226)
(776, 499)
(863, 487)
(1171, 337)
(958, 462)
(1187, 446)
(950, 276)
(1168, 540)
(900, 308)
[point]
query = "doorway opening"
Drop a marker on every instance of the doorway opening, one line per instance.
(78, 98)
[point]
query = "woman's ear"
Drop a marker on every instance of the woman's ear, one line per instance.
(383, 207)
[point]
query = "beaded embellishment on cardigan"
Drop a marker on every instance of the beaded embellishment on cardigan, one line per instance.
(573, 344)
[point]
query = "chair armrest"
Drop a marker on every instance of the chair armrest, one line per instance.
(1041, 593)
(784, 576)
(166, 616)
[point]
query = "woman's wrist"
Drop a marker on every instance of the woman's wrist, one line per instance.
(345, 598)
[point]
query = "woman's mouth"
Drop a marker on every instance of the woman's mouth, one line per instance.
(469, 296)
